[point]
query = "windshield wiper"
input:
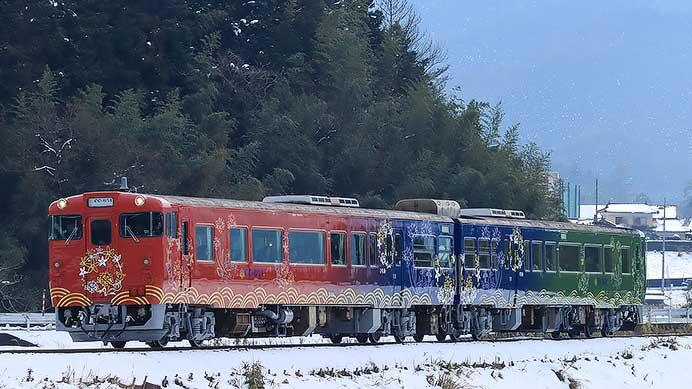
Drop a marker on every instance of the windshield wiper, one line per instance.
(132, 234)
(72, 234)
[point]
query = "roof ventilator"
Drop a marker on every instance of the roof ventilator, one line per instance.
(448, 208)
(313, 200)
(492, 212)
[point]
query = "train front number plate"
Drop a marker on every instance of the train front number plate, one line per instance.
(100, 202)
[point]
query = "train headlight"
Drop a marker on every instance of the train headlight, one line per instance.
(56, 264)
(140, 200)
(146, 261)
(62, 203)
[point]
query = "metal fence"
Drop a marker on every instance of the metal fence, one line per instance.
(668, 315)
(27, 320)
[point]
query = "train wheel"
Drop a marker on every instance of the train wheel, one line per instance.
(158, 343)
(441, 337)
(336, 339)
(587, 331)
(556, 334)
(454, 337)
(362, 338)
(195, 343)
(118, 345)
(399, 338)
(375, 337)
(573, 333)
(418, 338)
(476, 334)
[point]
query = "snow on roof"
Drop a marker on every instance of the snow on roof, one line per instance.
(671, 212)
(630, 208)
(672, 226)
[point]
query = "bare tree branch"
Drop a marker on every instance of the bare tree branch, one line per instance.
(402, 14)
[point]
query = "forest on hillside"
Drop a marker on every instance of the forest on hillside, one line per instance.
(237, 99)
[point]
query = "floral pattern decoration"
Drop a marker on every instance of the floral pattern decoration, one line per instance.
(101, 271)
(384, 233)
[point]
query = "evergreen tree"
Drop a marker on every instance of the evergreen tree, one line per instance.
(238, 100)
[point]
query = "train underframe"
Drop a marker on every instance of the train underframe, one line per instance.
(158, 324)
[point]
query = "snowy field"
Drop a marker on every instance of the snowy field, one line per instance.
(596, 363)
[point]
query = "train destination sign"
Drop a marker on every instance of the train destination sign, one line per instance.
(100, 202)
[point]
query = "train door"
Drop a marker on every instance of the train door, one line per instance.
(458, 257)
(445, 257)
(398, 279)
(185, 280)
(99, 233)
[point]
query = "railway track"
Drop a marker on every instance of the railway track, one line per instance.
(490, 339)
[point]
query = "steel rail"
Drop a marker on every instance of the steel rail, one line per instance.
(490, 339)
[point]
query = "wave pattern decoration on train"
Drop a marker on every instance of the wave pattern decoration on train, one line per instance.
(504, 298)
(62, 297)
(378, 298)
(225, 297)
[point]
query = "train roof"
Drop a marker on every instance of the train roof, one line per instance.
(365, 212)
(289, 207)
(546, 224)
(388, 214)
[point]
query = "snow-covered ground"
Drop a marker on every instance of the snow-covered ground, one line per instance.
(596, 363)
(56, 340)
(678, 265)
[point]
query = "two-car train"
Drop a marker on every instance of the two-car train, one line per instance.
(153, 268)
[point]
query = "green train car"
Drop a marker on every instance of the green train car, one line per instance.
(554, 277)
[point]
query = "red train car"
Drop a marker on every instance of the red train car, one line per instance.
(127, 266)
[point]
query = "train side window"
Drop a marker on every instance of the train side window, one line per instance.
(568, 257)
(484, 253)
(357, 249)
(525, 264)
(445, 251)
(374, 259)
(389, 248)
(423, 251)
(238, 239)
(537, 256)
(592, 259)
(266, 245)
(101, 232)
(608, 262)
(306, 247)
(625, 253)
(204, 243)
(338, 248)
(550, 256)
(184, 239)
(168, 224)
(174, 225)
(470, 253)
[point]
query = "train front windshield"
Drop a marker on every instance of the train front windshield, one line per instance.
(141, 224)
(64, 227)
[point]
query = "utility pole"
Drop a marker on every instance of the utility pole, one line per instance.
(663, 253)
(595, 214)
